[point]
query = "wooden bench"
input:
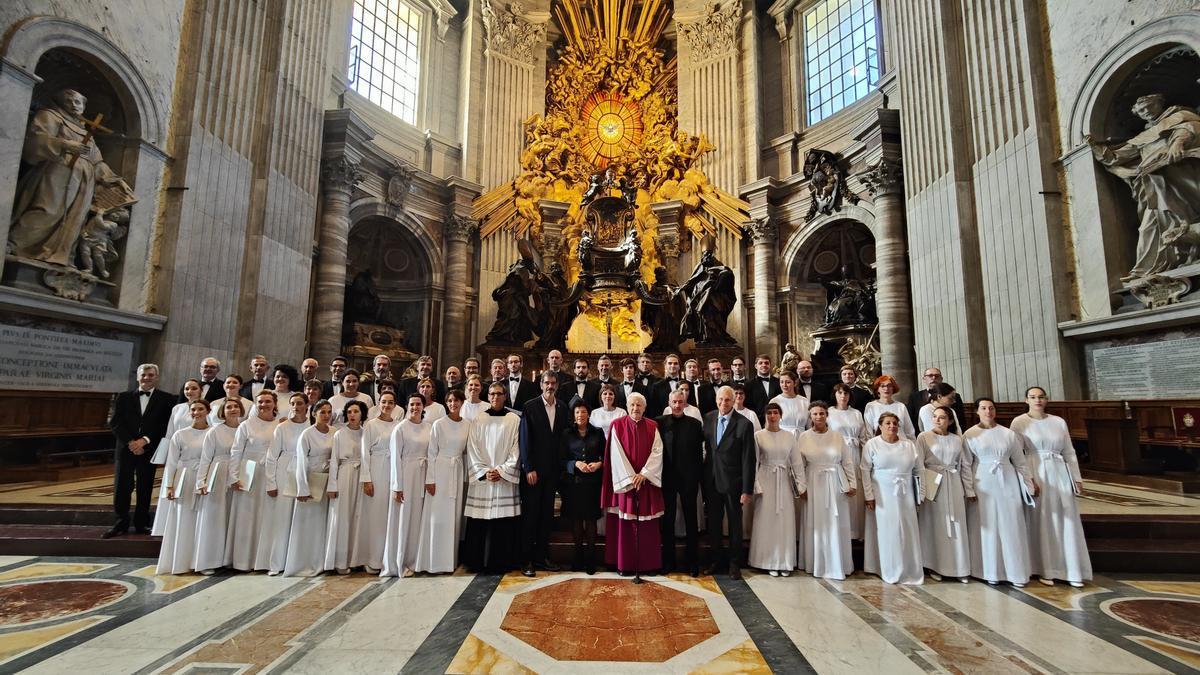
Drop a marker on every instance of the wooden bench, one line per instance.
(66, 425)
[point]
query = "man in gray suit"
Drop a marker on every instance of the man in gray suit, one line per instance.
(729, 465)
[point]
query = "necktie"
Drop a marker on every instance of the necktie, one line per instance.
(720, 428)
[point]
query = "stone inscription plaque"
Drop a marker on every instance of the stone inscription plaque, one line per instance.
(50, 360)
(1168, 369)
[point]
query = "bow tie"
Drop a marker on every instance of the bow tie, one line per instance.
(257, 381)
(144, 393)
(210, 382)
(763, 379)
(674, 379)
(580, 381)
(514, 379)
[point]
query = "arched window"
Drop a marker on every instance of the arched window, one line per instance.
(841, 55)
(385, 55)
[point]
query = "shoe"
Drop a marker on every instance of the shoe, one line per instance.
(528, 571)
(694, 572)
(935, 576)
(141, 530)
(115, 532)
(1045, 582)
(735, 573)
(774, 573)
(591, 569)
(964, 580)
(547, 565)
(370, 570)
(709, 571)
(785, 573)
(343, 571)
(274, 573)
(1018, 585)
(991, 583)
(1076, 584)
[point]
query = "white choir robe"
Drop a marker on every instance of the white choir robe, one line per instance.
(306, 545)
(181, 418)
(603, 419)
(216, 406)
(945, 537)
(1057, 548)
(408, 457)
(212, 519)
(280, 472)
(341, 528)
(925, 418)
(829, 465)
(434, 412)
(372, 516)
(250, 513)
(876, 408)
(177, 552)
(470, 410)
(891, 477)
(281, 405)
(442, 515)
(749, 415)
(853, 428)
(999, 543)
(493, 443)
(778, 478)
(339, 401)
(795, 412)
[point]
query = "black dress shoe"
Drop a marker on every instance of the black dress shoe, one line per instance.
(710, 570)
(547, 565)
(141, 530)
(528, 571)
(591, 569)
(735, 573)
(115, 532)
(695, 572)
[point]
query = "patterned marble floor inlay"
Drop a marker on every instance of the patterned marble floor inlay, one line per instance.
(36, 601)
(1172, 618)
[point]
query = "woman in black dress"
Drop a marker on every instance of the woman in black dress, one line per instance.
(583, 452)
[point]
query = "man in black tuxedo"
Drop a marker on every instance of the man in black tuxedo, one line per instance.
(542, 422)
(691, 375)
(737, 371)
(210, 381)
(337, 369)
(729, 466)
(708, 390)
(381, 370)
(308, 371)
(762, 387)
(408, 386)
(660, 390)
(805, 386)
(859, 396)
(629, 383)
(258, 380)
(580, 387)
(645, 371)
(683, 464)
(917, 400)
(520, 390)
(139, 421)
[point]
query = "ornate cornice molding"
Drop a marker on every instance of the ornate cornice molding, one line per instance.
(513, 32)
(341, 174)
(885, 177)
(715, 32)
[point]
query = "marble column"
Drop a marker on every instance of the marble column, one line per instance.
(764, 234)
(459, 232)
(885, 181)
(338, 178)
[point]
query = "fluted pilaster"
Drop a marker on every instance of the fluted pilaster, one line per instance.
(338, 178)
(764, 234)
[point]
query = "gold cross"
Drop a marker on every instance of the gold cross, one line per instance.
(92, 126)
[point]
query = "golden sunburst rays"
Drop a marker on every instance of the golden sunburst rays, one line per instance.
(612, 21)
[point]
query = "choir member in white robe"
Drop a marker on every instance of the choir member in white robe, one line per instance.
(845, 419)
(408, 455)
(945, 538)
(999, 542)
(886, 387)
(287, 382)
(381, 387)
(434, 411)
(441, 516)
(608, 412)
(341, 528)
(212, 513)
(1058, 549)
(829, 463)
(249, 515)
(233, 387)
(474, 405)
(943, 396)
(177, 552)
(181, 418)
(280, 477)
(306, 545)
(739, 404)
(375, 475)
(794, 405)
(493, 504)
(778, 480)
(350, 392)
(891, 467)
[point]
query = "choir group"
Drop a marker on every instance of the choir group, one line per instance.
(423, 474)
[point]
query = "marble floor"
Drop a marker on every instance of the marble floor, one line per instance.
(64, 615)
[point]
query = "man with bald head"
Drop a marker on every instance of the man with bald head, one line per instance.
(210, 381)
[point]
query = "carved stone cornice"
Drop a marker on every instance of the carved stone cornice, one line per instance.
(460, 228)
(667, 245)
(885, 177)
(513, 32)
(715, 32)
(341, 174)
(763, 231)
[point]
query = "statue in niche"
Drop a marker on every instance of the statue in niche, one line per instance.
(97, 251)
(362, 299)
(1162, 167)
(850, 302)
(66, 179)
(515, 316)
(709, 298)
(662, 320)
(554, 310)
(790, 360)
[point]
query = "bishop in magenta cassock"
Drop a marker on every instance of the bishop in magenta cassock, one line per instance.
(632, 492)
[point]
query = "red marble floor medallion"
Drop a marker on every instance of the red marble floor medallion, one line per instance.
(44, 600)
(609, 620)
(1174, 618)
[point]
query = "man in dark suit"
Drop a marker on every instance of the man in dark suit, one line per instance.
(308, 371)
(408, 386)
(708, 390)
(859, 396)
(683, 464)
(337, 369)
(805, 386)
(629, 383)
(381, 370)
(660, 390)
(139, 421)
(520, 390)
(645, 371)
(580, 387)
(762, 387)
(210, 381)
(729, 466)
(258, 380)
(542, 422)
(917, 400)
(737, 371)
(691, 375)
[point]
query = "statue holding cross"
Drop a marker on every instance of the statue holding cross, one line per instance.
(58, 191)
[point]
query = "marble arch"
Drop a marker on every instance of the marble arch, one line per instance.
(862, 213)
(366, 207)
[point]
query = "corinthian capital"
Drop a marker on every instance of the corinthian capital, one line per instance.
(460, 228)
(340, 173)
(514, 32)
(762, 230)
(885, 177)
(667, 245)
(715, 32)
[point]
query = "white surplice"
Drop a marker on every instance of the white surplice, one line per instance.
(999, 541)
(216, 406)
(372, 516)
(249, 516)
(434, 412)
(470, 410)
(875, 410)
(830, 470)
(795, 412)
(306, 545)
(853, 428)
(925, 418)
(892, 546)
(181, 418)
(408, 455)
(1057, 548)
(603, 419)
(279, 471)
(341, 528)
(493, 443)
(212, 519)
(441, 516)
(177, 552)
(779, 472)
(945, 537)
